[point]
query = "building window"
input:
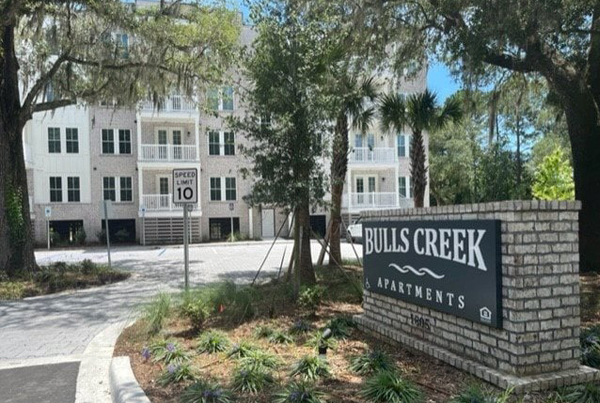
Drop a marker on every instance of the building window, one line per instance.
(358, 141)
(401, 145)
(108, 141)
(54, 140)
(230, 190)
(72, 140)
(403, 189)
(215, 189)
(124, 141)
(227, 98)
(123, 41)
(214, 146)
(371, 141)
(55, 189)
(212, 98)
(229, 143)
(126, 189)
(73, 189)
(109, 190)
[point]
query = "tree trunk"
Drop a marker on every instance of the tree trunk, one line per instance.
(339, 167)
(418, 170)
(16, 237)
(304, 269)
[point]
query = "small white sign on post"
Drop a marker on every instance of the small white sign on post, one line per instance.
(185, 193)
(48, 214)
(185, 185)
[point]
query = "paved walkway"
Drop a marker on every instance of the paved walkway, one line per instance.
(58, 328)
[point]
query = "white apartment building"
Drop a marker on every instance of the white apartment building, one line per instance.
(78, 156)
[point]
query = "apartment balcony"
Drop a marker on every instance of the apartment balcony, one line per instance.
(162, 203)
(170, 105)
(373, 156)
(168, 153)
(356, 202)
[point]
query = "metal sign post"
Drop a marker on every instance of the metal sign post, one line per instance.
(106, 208)
(48, 214)
(231, 207)
(143, 213)
(185, 192)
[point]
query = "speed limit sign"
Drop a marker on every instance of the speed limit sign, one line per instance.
(185, 185)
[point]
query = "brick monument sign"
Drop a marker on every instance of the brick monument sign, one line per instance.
(492, 288)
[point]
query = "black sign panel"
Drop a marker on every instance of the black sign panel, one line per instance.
(450, 266)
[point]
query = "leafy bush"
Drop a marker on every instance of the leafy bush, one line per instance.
(316, 340)
(213, 341)
(88, 267)
(11, 290)
(371, 362)
(232, 300)
(310, 298)
(170, 352)
(122, 235)
(263, 331)
(590, 346)
(101, 235)
(300, 327)
(298, 392)
(259, 359)
(341, 327)
(478, 394)
(80, 236)
(175, 373)
(205, 392)
(279, 337)
(55, 238)
(241, 350)
(587, 393)
(554, 178)
(389, 387)
(236, 237)
(251, 379)
(194, 308)
(310, 368)
(156, 312)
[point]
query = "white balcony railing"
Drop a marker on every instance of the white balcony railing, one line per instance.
(161, 203)
(168, 153)
(374, 200)
(174, 103)
(379, 155)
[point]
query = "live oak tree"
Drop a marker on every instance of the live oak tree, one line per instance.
(55, 53)
(420, 113)
(557, 39)
(287, 118)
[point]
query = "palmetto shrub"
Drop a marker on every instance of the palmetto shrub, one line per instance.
(390, 387)
(371, 362)
(310, 368)
(213, 341)
(298, 392)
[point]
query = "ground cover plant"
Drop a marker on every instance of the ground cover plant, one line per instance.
(56, 277)
(250, 368)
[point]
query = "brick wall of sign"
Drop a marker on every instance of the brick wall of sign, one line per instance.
(540, 299)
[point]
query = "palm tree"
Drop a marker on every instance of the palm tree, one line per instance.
(420, 113)
(356, 109)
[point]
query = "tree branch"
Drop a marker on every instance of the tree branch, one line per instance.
(509, 62)
(593, 72)
(123, 66)
(47, 106)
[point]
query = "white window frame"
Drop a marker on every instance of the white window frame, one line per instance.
(62, 189)
(406, 145)
(78, 189)
(223, 189)
(118, 189)
(221, 143)
(220, 98)
(158, 178)
(407, 182)
(365, 178)
(169, 130)
(116, 143)
(67, 141)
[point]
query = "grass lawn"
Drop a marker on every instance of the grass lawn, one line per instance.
(169, 355)
(59, 276)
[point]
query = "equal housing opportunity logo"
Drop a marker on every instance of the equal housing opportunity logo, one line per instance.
(450, 266)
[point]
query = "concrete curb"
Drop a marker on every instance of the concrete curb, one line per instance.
(124, 388)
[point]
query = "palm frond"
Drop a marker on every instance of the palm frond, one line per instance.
(392, 109)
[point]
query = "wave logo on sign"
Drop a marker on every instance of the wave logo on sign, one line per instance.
(420, 272)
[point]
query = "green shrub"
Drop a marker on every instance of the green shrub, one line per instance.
(259, 359)
(122, 235)
(3, 276)
(300, 327)
(170, 352)
(156, 312)
(389, 387)
(195, 309)
(310, 368)
(341, 327)
(371, 362)
(279, 337)
(213, 341)
(590, 346)
(241, 350)
(310, 298)
(298, 392)
(251, 379)
(80, 236)
(55, 238)
(11, 290)
(263, 331)
(229, 299)
(175, 373)
(317, 340)
(587, 393)
(101, 235)
(479, 394)
(88, 267)
(204, 391)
